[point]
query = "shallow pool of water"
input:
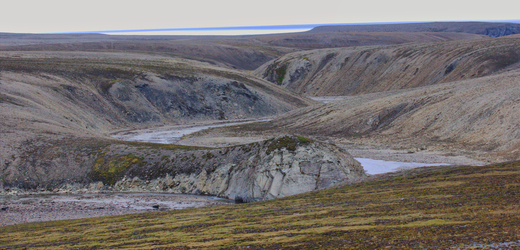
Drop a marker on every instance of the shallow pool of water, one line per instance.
(372, 166)
(327, 99)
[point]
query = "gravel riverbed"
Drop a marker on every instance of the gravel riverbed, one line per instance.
(16, 209)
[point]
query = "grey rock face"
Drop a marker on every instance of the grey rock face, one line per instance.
(281, 167)
(156, 99)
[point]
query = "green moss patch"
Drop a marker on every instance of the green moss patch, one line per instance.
(280, 74)
(288, 142)
(110, 170)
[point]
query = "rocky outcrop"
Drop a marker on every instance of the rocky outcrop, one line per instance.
(284, 166)
(505, 30)
(279, 167)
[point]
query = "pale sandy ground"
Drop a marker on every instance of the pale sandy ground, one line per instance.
(38, 207)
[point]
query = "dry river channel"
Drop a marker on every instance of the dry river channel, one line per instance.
(24, 207)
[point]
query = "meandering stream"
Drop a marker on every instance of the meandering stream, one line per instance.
(171, 135)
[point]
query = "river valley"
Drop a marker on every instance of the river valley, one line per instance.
(58, 205)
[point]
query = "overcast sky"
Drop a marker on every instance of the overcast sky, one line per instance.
(43, 16)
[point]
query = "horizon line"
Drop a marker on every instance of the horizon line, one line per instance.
(260, 27)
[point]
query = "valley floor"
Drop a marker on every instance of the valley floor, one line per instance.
(180, 135)
(55, 206)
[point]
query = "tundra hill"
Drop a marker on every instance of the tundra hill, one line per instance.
(426, 208)
(66, 102)
(242, 52)
(481, 28)
(308, 40)
(473, 117)
(360, 70)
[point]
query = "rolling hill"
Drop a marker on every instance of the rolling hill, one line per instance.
(492, 29)
(57, 108)
(473, 117)
(361, 70)
(241, 52)
(441, 208)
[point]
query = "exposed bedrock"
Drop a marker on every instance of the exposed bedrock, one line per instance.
(279, 167)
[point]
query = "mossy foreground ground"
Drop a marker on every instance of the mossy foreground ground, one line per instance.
(443, 207)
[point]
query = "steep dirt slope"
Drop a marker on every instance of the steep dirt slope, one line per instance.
(243, 52)
(478, 117)
(50, 99)
(137, 88)
(350, 71)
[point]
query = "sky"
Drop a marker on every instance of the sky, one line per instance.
(57, 16)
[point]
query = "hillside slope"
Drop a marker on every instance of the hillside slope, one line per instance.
(428, 208)
(132, 88)
(359, 70)
(242, 52)
(52, 99)
(478, 117)
(482, 28)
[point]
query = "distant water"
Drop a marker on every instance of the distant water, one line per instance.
(327, 99)
(171, 136)
(372, 166)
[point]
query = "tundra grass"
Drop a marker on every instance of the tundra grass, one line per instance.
(428, 208)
